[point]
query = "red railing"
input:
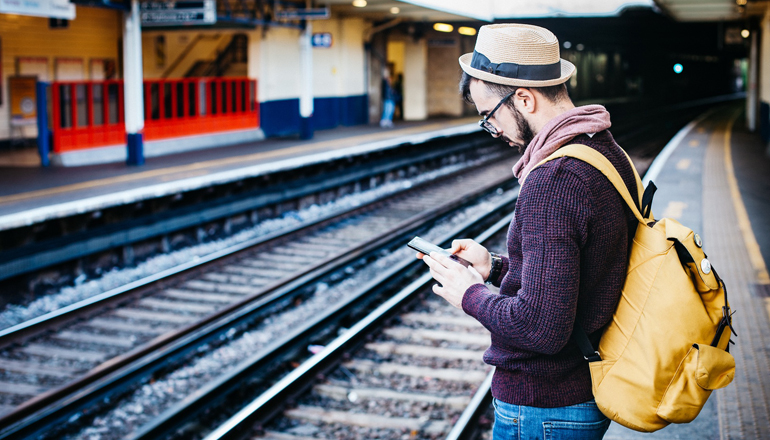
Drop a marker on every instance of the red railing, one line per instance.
(89, 114)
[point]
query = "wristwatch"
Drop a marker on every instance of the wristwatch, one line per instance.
(497, 267)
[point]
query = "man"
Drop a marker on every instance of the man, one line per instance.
(388, 99)
(567, 244)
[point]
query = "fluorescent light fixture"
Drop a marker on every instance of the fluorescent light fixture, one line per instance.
(359, 3)
(443, 27)
(395, 10)
(464, 30)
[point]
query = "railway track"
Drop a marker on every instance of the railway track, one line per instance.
(42, 258)
(45, 371)
(54, 367)
(411, 368)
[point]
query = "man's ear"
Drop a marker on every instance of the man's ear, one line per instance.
(525, 100)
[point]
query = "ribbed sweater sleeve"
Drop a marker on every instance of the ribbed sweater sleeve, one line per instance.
(537, 314)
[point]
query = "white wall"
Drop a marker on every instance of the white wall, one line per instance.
(443, 97)
(415, 80)
(339, 70)
(255, 54)
(279, 58)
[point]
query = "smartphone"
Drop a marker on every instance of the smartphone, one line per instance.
(426, 247)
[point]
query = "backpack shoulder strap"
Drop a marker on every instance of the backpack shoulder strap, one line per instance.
(601, 163)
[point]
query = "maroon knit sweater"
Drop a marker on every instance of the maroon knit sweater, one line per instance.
(567, 253)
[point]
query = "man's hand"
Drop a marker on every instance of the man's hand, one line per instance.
(474, 253)
(454, 278)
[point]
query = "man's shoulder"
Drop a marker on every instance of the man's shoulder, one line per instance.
(568, 171)
(556, 179)
(558, 172)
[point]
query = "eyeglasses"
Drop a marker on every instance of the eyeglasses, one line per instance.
(486, 125)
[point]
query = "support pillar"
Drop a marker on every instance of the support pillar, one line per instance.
(416, 80)
(764, 80)
(133, 94)
(751, 97)
(43, 134)
(306, 90)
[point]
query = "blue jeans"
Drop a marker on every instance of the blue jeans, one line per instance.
(583, 421)
(388, 108)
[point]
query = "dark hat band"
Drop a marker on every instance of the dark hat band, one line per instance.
(518, 71)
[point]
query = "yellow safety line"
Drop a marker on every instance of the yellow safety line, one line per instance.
(333, 144)
(755, 256)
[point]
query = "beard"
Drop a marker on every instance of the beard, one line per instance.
(526, 134)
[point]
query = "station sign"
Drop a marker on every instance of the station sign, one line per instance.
(303, 14)
(178, 13)
(323, 39)
(39, 8)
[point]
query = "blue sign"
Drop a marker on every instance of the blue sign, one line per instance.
(323, 39)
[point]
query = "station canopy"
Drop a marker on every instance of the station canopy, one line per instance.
(711, 10)
(489, 10)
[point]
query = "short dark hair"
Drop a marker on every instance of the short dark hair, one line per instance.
(554, 94)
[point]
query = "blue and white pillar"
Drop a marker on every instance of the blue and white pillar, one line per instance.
(306, 89)
(133, 95)
(753, 94)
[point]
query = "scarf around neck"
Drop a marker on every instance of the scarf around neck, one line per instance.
(557, 132)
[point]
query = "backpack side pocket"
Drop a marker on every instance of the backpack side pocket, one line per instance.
(702, 370)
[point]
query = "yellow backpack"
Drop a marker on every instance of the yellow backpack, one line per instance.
(665, 349)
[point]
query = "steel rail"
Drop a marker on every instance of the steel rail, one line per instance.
(18, 332)
(465, 427)
(216, 390)
(58, 404)
(269, 403)
(29, 258)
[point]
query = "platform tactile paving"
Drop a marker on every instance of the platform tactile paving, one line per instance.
(739, 411)
(743, 405)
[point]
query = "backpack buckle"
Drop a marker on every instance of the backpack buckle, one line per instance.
(594, 357)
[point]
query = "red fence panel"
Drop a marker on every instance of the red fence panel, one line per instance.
(187, 107)
(88, 114)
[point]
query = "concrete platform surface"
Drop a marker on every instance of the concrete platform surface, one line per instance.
(716, 182)
(33, 194)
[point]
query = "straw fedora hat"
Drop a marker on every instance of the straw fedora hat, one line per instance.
(517, 55)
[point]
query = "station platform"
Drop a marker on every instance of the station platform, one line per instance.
(713, 177)
(31, 194)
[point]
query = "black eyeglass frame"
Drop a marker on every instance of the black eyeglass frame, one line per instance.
(486, 125)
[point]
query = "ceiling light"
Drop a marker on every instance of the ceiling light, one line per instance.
(745, 33)
(741, 2)
(359, 3)
(395, 10)
(467, 30)
(443, 27)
